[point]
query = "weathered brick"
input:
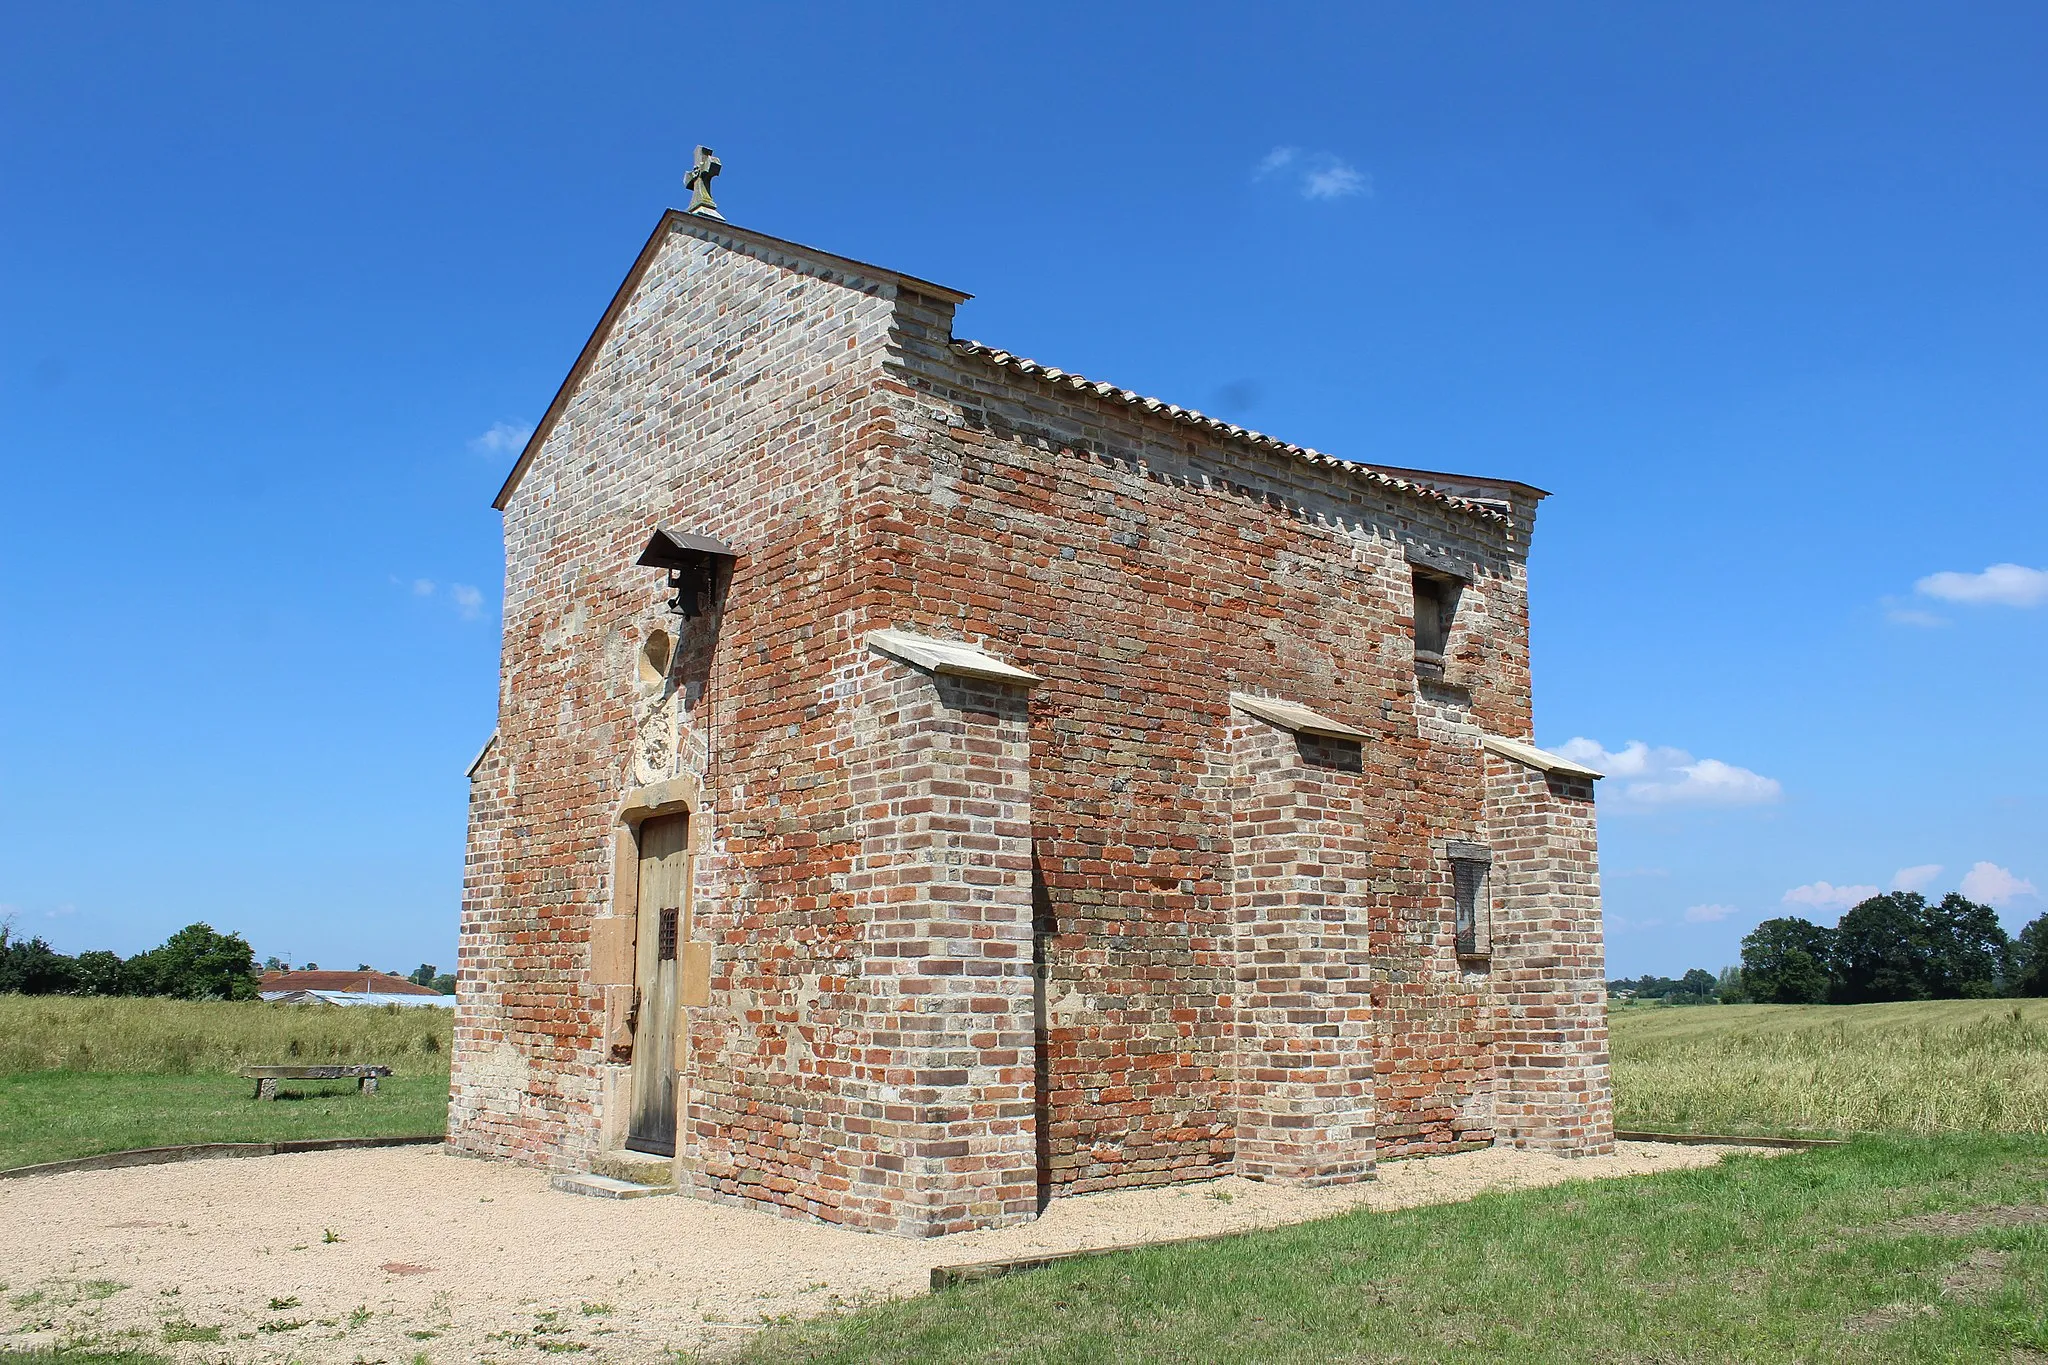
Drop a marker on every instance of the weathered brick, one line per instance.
(977, 944)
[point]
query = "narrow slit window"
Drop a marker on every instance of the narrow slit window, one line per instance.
(1436, 604)
(1471, 866)
(666, 944)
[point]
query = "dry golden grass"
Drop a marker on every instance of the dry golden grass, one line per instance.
(1922, 1067)
(183, 1037)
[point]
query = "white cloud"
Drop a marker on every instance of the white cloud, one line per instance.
(502, 439)
(1994, 885)
(423, 587)
(1338, 180)
(1315, 175)
(469, 601)
(1913, 616)
(1277, 159)
(1708, 914)
(1672, 777)
(2005, 585)
(1823, 896)
(1915, 878)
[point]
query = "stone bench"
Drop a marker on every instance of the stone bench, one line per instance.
(267, 1077)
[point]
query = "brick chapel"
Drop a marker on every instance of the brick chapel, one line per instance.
(929, 783)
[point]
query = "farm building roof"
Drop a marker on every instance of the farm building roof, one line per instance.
(357, 998)
(383, 983)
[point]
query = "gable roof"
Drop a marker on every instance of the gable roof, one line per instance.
(706, 229)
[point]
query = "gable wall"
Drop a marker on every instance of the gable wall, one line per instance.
(730, 398)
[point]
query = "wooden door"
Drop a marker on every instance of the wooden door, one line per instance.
(664, 913)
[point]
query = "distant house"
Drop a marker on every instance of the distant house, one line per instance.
(346, 988)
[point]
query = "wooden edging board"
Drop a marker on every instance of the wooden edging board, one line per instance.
(209, 1151)
(1710, 1140)
(946, 1276)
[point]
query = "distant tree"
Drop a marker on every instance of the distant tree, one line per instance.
(1881, 950)
(1729, 990)
(196, 963)
(1969, 953)
(423, 975)
(2029, 975)
(1785, 962)
(1898, 947)
(32, 967)
(99, 973)
(1696, 987)
(364, 967)
(443, 984)
(274, 963)
(310, 967)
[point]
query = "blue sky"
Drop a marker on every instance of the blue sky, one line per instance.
(1758, 291)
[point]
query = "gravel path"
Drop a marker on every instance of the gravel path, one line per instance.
(465, 1260)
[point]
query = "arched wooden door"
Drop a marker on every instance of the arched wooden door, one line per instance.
(664, 913)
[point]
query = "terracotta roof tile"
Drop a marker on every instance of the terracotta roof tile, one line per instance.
(380, 982)
(1216, 426)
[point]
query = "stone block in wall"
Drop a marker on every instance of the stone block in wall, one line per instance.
(611, 950)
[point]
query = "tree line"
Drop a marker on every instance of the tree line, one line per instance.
(196, 963)
(1697, 987)
(1895, 946)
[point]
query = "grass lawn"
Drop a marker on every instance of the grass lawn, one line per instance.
(56, 1115)
(83, 1076)
(1821, 1256)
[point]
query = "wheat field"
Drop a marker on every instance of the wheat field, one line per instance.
(1923, 1067)
(1931, 1066)
(186, 1037)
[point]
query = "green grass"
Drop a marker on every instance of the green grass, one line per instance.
(83, 1076)
(1925, 1067)
(1761, 1259)
(1792, 1258)
(57, 1115)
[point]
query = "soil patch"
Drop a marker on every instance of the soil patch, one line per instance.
(1980, 1273)
(1967, 1221)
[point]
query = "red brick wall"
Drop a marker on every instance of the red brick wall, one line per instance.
(1549, 962)
(884, 853)
(731, 397)
(1147, 571)
(1301, 898)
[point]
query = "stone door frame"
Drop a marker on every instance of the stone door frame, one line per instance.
(614, 936)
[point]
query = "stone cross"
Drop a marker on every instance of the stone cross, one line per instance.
(698, 183)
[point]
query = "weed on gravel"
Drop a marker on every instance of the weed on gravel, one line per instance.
(58, 1356)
